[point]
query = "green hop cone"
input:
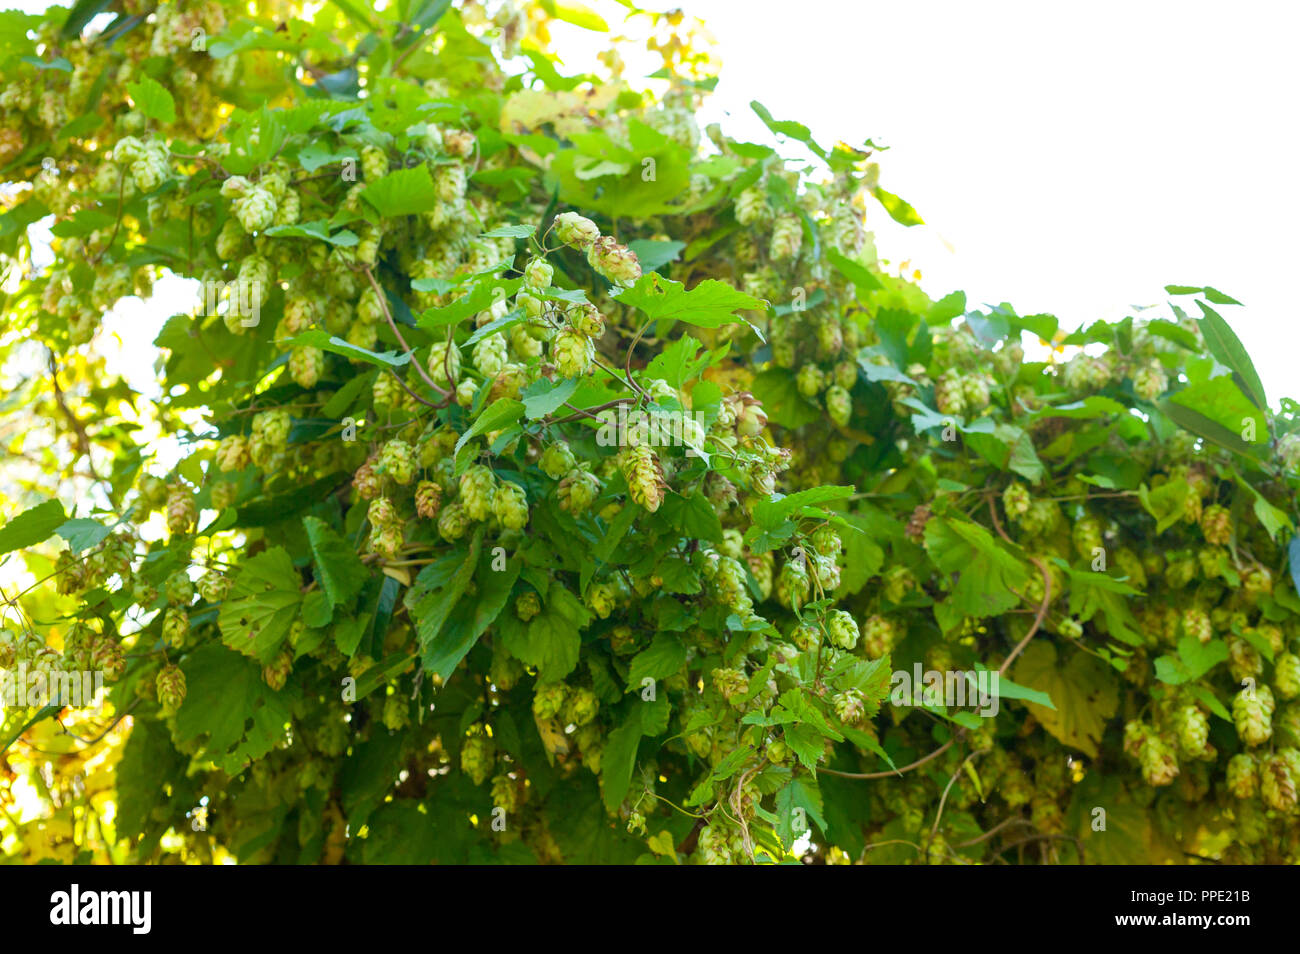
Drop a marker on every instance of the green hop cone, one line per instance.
(1277, 786)
(397, 461)
(510, 506)
(1216, 525)
(397, 712)
(1242, 776)
(575, 231)
(557, 460)
(478, 488)
(444, 364)
(374, 163)
(232, 453)
(276, 673)
(581, 706)
(528, 605)
(645, 477)
(879, 636)
(1197, 623)
(732, 685)
(850, 706)
(538, 274)
(949, 395)
(613, 261)
(182, 511)
(1087, 537)
(572, 353)
(1192, 728)
(826, 541)
(810, 380)
(839, 405)
(478, 756)
(1286, 675)
(170, 685)
(491, 354)
(1150, 381)
(548, 699)
(453, 522)
(1016, 501)
(1158, 761)
(305, 365)
(176, 627)
(793, 584)
(1252, 715)
(842, 629)
(505, 794)
(428, 499)
(601, 599)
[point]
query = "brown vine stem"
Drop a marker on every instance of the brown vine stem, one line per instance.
(83, 439)
(890, 773)
(388, 315)
(1047, 592)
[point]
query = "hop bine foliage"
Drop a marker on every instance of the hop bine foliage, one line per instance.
(613, 436)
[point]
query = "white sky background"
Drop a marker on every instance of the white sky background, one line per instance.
(1067, 159)
(1071, 160)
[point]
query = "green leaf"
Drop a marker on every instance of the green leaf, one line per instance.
(542, 397)
(230, 708)
(404, 192)
(152, 99)
(511, 231)
(338, 568)
(855, 272)
(1167, 503)
(710, 304)
(1227, 347)
(986, 572)
(497, 415)
(550, 641)
(313, 156)
(263, 603)
(786, 127)
(470, 619)
(32, 526)
(317, 338)
(665, 656)
(798, 797)
(898, 210)
(1083, 691)
(319, 230)
(82, 533)
(655, 254)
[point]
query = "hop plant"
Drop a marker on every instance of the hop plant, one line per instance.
(616, 262)
(645, 477)
(839, 405)
(1277, 786)
(453, 522)
(232, 453)
(1216, 525)
(1086, 535)
(842, 629)
(787, 236)
(428, 499)
(1192, 729)
(850, 706)
(1196, 623)
(580, 706)
(572, 353)
(276, 673)
(374, 163)
(444, 364)
(879, 636)
(793, 584)
(732, 684)
(576, 231)
(478, 489)
(557, 460)
(181, 509)
(478, 755)
(1252, 714)
(577, 491)
(1242, 778)
(1150, 381)
(170, 686)
(548, 699)
(306, 365)
(1158, 761)
(527, 605)
(1016, 501)
(1286, 675)
(510, 506)
(397, 461)
(491, 354)
(176, 627)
